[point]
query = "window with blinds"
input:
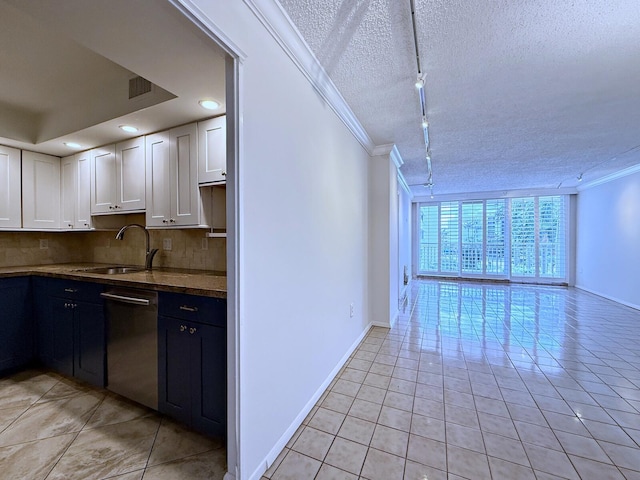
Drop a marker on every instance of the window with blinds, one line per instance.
(519, 237)
(495, 237)
(429, 238)
(552, 237)
(449, 229)
(472, 237)
(523, 237)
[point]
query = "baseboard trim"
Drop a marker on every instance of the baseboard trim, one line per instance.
(609, 297)
(286, 436)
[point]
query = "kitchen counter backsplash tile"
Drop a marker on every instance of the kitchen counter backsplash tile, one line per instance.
(24, 248)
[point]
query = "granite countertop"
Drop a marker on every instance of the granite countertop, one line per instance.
(195, 282)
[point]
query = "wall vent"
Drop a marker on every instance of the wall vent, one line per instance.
(139, 86)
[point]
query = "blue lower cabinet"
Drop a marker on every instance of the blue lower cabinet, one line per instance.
(70, 327)
(16, 340)
(174, 369)
(89, 343)
(192, 363)
(59, 336)
(210, 378)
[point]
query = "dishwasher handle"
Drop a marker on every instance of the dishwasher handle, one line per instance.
(126, 299)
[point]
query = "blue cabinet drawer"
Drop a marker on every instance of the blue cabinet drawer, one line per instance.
(207, 310)
(75, 290)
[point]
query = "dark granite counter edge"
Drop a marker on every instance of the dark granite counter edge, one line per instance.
(125, 280)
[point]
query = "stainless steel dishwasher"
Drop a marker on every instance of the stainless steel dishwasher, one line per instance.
(132, 344)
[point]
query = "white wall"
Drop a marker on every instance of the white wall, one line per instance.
(404, 235)
(381, 240)
(608, 240)
(303, 229)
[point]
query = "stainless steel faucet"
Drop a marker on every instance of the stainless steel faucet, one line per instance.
(150, 253)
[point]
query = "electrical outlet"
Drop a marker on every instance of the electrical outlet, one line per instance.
(44, 244)
(351, 310)
(205, 244)
(166, 244)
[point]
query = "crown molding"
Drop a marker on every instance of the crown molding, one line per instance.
(190, 10)
(396, 157)
(382, 150)
(279, 25)
(611, 177)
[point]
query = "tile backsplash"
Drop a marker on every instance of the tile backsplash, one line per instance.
(24, 248)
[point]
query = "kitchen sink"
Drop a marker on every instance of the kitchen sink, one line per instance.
(111, 270)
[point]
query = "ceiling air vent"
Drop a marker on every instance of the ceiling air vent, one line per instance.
(139, 86)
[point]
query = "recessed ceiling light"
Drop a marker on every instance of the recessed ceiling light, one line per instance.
(73, 145)
(128, 128)
(209, 104)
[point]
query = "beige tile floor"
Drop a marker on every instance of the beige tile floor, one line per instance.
(474, 381)
(56, 429)
(478, 381)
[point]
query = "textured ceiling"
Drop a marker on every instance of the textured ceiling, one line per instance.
(520, 94)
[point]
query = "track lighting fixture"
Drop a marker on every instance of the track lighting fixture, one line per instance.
(580, 177)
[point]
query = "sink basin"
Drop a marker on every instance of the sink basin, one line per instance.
(112, 270)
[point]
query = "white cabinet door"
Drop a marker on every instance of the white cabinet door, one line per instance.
(75, 192)
(173, 196)
(103, 179)
(10, 188)
(83, 191)
(185, 194)
(212, 150)
(158, 179)
(130, 175)
(40, 191)
(68, 186)
(118, 177)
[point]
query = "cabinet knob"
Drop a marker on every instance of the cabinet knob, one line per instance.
(187, 308)
(192, 330)
(165, 221)
(173, 220)
(183, 328)
(70, 225)
(224, 174)
(111, 207)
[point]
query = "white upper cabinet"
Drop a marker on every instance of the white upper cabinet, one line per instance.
(40, 191)
(158, 180)
(173, 196)
(10, 188)
(118, 177)
(75, 191)
(212, 154)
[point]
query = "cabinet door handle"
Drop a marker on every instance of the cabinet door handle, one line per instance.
(192, 330)
(183, 328)
(187, 308)
(71, 290)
